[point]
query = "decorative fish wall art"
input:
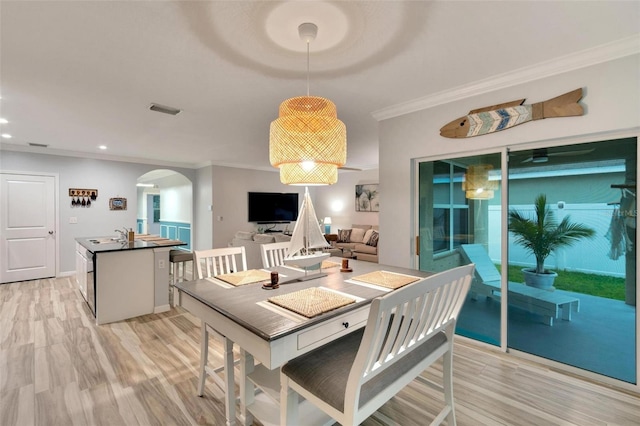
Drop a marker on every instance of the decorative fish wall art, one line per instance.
(504, 116)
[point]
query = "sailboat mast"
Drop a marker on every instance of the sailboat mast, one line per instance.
(307, 226)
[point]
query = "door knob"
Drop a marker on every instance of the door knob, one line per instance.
(50, 232)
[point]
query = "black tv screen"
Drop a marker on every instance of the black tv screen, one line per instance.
(273, 207)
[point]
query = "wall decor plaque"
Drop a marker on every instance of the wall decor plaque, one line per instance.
(117, 203)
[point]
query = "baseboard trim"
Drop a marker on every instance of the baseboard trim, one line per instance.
(162, 308)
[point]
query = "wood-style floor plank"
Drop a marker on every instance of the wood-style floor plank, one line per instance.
(58, 368)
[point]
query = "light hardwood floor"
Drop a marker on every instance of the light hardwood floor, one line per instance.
(58, 368)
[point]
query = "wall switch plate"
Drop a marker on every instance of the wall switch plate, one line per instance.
(73, 220)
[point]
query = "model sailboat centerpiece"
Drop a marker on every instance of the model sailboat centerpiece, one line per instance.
(307, 240)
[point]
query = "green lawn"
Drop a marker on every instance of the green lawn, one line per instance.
(579, 282)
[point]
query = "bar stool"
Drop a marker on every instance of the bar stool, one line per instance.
(178, 260)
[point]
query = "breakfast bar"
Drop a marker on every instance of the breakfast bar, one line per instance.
(123, 279)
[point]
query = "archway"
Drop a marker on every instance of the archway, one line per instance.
(165, 205)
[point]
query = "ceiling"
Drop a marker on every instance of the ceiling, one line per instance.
(79, 74)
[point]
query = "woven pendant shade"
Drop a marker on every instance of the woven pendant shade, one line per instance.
(477, 185)
(307, 142)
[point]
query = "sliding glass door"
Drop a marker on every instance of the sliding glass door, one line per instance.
(459, 222)
(585, 317)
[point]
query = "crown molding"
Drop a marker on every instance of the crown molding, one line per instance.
(582, 59)
(95, 156)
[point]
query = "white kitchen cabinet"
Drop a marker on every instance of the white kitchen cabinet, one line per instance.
(125, 285)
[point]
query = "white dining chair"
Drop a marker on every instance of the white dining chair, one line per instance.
(407, 330)
(273, 254)
(210, 263)
(217, 261)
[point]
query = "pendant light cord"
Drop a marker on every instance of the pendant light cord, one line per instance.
(308, 68)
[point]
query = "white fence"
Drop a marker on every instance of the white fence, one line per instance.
(586, 255)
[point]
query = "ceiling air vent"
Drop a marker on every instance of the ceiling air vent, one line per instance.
(39, 145)
(165, 109)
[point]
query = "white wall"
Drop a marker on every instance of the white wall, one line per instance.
(230, 187)
(175, 198)
(224, 188)
(203, 217)
(110, 178)
(328, 200)
(612, 104)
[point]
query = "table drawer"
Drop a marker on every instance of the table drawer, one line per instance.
(332, 329)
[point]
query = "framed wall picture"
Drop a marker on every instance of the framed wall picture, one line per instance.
(117, 203)
(367, 198)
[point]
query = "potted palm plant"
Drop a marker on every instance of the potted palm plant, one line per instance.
(542, 235)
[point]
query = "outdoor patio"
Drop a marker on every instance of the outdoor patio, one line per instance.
(600, 338)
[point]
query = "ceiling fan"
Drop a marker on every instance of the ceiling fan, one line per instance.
(541, 155)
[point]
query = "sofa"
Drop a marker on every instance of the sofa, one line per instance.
(252, 242)
(360, 242)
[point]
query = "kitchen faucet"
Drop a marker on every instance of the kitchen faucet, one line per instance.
(124, 235)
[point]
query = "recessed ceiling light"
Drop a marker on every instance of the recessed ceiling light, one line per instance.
(6, 136)
(102, 147)
(3, 121)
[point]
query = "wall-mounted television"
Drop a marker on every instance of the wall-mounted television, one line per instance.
(273, 207)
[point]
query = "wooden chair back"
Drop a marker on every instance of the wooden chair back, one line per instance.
(217, 261)
(407, 330)
(273, 254)
(408, 316)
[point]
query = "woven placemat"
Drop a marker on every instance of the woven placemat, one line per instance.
(245, 277)
(311, 302)
(326, 264)
(386, 279)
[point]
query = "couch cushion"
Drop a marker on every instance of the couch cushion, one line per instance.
(357, 235)
(344, 235)
(365, 248)
(244, 235)
(349, 246)
(373, 240)
(264, 238)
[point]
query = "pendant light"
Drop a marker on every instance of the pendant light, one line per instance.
(307, 142)
(477, 185)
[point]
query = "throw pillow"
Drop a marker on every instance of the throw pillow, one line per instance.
(373, 241)
(367, 236)
(344, 235)
(357, 235)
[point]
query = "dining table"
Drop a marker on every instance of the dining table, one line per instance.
(270, 326)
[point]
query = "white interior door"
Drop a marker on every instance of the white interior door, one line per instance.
(27, 227)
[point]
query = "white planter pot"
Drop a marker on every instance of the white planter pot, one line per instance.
(542, 281)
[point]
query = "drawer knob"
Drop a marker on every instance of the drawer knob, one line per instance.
(346, 324)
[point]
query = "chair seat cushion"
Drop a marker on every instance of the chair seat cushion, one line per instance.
(325, 370)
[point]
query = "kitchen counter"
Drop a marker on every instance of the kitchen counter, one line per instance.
(106, 244)
(122, 280)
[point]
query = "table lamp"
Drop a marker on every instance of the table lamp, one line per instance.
(327, 225)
